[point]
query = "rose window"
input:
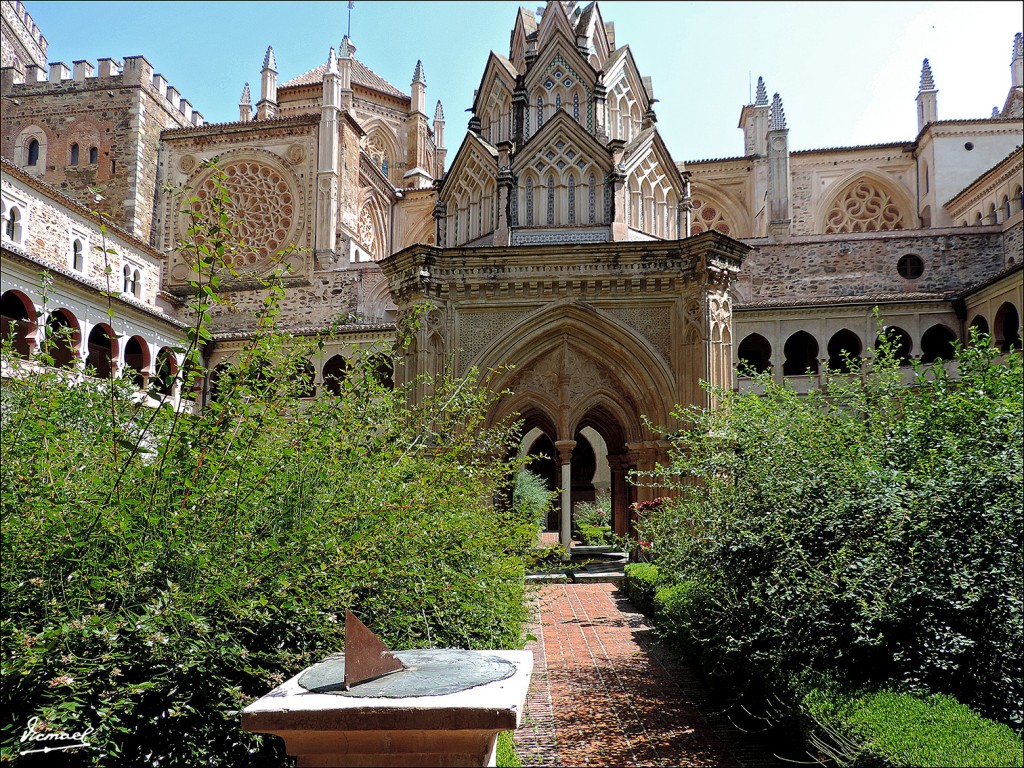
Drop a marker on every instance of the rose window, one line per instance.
(706, 217)
(262, 211)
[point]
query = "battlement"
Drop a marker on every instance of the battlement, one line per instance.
(106, 73)
(26, 30)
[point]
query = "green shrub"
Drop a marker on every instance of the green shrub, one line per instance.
(531, 497)
(595, 536)
(871, 530)
(596, 515)
(641, 581)
(506, 753)
(160, 570)
(890, 728)
(680, 608)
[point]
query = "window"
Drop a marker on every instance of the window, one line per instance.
(77, 256)
(94, 155)
(910, 266)
(13, 225)
(33, 152)
(136, 284)
(126, 286)
(74, 154)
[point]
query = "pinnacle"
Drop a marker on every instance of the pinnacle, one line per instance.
(1018, 46)
(346, 48)
(246, 99)
(417, 75)
(927, 82)
(439, 112)
(268, 59)
(777, 117)
(761, 99)
(332, 62)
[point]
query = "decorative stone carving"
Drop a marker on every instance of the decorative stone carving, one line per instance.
(653, 322)
(296, 154)
(706, 217)
(478, 329)
(187, 163)
(263, 212)
(864, 208)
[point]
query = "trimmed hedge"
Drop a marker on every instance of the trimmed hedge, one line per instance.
(679, 608)
(890, 728)
(641, 582)
(506, 756)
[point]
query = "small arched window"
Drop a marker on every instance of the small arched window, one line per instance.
(127, 286)
(136, 284)
(94, 155)
(12, 224)
(74, 154)
(33, 152)
(77, 255)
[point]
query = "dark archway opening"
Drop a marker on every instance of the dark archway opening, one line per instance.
(754, 354)
(1007, 327)
(937, 344)
(17, 322)
(801, 352)
(900, 342)
(102, 351)
(844, 351)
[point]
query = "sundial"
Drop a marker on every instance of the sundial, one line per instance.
(367, 669)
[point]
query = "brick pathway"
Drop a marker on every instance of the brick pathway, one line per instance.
(604, 693)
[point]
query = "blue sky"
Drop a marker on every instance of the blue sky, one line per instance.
(847, 72)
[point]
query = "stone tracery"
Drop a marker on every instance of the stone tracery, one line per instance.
(864, 207)
(263, 210)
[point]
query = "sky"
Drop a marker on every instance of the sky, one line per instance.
(847, 72)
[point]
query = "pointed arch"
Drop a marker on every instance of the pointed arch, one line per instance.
(866, 201)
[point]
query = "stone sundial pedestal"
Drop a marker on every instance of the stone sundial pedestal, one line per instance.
(374, 707)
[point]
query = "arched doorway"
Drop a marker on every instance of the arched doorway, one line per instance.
(17, 316)
(587, 384)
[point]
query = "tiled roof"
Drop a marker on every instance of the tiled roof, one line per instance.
(361, 75)
(871, 298)
(307, 330)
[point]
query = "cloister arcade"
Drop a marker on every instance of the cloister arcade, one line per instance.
(72, 341)
(804, 356)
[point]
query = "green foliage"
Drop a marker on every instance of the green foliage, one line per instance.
(871, 530)
(162, 569)
(592, 520)
(594, 535)
(506, 754)
(641, 581)
(890, 728)
(679, 608)
(531, 497)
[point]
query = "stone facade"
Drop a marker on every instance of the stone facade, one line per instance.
(97, 128)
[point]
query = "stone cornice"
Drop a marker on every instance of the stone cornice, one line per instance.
(555, 271)
(995, 176)
(251, 126)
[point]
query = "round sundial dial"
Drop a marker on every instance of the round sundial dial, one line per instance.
(368, 669)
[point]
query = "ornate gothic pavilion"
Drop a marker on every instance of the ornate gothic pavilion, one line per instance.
(564, 246)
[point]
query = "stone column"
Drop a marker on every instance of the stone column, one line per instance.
(619, 466)
(564, 448)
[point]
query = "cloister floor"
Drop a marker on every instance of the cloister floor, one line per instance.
(605, 693)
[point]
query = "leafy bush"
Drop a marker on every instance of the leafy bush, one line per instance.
(531, 497)
(890, 728)
(595, 536)
(160, 570)
(680, 609)
(871, 530)
(640, 582)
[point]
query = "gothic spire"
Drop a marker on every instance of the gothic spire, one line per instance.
(1018, 46)
(439, 112)
(246, 98)
(268, 59)
(776, 115)
(346, 48)
(761, 99)
(417, 75)
(927, 82)
(332, 62)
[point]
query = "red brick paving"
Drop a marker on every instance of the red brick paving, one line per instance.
(603, 695)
